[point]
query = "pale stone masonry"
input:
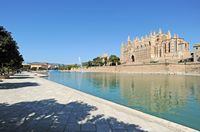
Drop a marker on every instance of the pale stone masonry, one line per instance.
(154, 68)
(158, 47)
(197, 53)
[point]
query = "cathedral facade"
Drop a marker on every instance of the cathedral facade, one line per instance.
(156, 47)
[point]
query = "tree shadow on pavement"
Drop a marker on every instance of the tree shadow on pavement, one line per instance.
(48, 115)
(17, 85)
(20, 77)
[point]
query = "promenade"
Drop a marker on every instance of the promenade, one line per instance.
(29, 103)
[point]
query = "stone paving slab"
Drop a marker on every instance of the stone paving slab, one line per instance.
(88, 127)
(35, 104)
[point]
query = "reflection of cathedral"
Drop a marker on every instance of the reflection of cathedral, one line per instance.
(154, 93)
(159, 47)
(159, 93)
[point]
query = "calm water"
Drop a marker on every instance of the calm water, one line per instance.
(175, 98)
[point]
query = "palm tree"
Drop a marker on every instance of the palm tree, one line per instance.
(114, 60)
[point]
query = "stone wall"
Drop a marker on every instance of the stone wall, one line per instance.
(193, 68)
(165, 68)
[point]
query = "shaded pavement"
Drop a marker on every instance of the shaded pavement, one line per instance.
(48, 115)
(32, 104)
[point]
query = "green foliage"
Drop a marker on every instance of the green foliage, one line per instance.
(97, 61)
(114, 60)
(68, 67)
(103, 61)
(10, 57)
(87, 64)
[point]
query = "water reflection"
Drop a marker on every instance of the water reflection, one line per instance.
(175, 98)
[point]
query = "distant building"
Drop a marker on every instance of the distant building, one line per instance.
(39, 66)
(26, 66)
(197, 53)
(157, 47)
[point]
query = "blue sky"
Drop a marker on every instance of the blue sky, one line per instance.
(62, 30)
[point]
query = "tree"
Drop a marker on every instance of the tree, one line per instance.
(10, 57)
(114, 60)
(87, 64)
(105, 60)
(98, 61)
(68, 67)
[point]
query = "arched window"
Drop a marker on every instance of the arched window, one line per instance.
(149, 43)
(160, 53)
(169, 47)
(133, 58)
(185, 46)
(165, 47)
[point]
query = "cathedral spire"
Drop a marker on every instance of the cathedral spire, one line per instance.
(129, 39)
(169, 34)
(160, 31)
(151, 33)
(175, 36)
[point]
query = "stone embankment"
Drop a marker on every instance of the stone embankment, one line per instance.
(165, 68)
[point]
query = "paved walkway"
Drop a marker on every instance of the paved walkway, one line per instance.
(29, 103)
